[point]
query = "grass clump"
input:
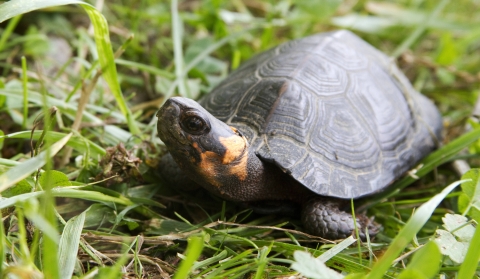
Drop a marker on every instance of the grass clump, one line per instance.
(79, 89)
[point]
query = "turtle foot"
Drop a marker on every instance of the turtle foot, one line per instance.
(324, 218)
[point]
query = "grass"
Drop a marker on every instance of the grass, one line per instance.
(88, 204)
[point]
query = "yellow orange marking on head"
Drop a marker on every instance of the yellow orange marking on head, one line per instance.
(240, 169)
(213, 166)
(236, 155)
(208, 161)
(235, 146)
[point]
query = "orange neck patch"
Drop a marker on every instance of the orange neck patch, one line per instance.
(214, 167)
(207, 166)
(236, 155)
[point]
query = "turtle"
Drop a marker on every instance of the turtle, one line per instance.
(312, 123)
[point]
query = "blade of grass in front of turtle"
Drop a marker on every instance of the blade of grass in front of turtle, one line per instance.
(262, 260)
(68, 246)
(194, 249)
(470, 264)
(209, 261)
(337, 249)
(408, 232)
(425, 262)
(219, 270)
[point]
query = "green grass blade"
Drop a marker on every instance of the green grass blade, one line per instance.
(22, 237)
(147, 68)
(419, 30)
(3, 246)
(23, 170)
(414, 224)
(67, 192)
(470, 264)
(8, 162)
(425, 262)
(50, 241)
(205, 263)
(262, 262)
(336, 249)
(211, 48)
(194, 248)
(45, 215)
(25, 91)
(68, 247)
(8, 31)
(14, 8)
(76, 141)
(1, 140)
(115, 271)
(36, 214)
(107, 61)
(177, 29)
(36, 98)
(469, 200)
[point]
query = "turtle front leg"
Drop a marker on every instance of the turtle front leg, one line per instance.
(324, 217)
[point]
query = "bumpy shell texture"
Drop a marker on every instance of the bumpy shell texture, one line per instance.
(330, 110)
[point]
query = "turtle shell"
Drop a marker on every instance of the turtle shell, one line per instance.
(330, 110)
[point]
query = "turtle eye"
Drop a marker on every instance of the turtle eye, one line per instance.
(194, 125)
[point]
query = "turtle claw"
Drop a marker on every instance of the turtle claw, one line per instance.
(324, 218)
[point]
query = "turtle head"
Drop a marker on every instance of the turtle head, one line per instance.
(206, 149)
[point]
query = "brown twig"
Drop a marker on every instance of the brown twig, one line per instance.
(82, 103)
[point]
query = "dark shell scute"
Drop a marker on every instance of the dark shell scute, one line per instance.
(293, 114)
(343, 139)
(225, 98)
